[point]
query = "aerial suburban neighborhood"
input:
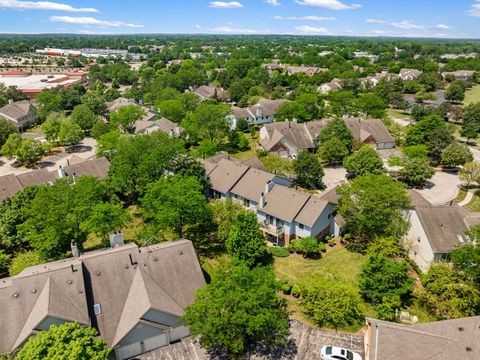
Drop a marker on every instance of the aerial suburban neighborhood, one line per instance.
(240, 180)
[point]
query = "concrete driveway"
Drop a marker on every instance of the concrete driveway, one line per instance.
(443, 188)
(334, 176)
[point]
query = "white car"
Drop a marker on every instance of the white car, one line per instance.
(338, 353)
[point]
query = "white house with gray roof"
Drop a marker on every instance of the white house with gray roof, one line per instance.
(21, 114)
(262, 112)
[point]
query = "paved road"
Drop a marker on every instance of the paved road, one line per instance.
(334, 176)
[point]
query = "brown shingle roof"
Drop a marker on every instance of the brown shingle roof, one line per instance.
(311, 211)
(252, 184)
(9, 186)
(168, 126)
(225, 175)
(363, 129)
(37, 177)
(284, 203)
(97, 167)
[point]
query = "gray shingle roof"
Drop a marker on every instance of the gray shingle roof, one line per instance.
(16, 109)
(439, 340)
(125, 281)
(9, 186)
(225, 175)
(97, 167)
(284, 203)
(311, 211)
(252, 184)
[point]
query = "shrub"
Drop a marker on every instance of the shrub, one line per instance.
(279, 251)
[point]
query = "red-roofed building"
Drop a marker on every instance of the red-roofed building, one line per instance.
(15, 73)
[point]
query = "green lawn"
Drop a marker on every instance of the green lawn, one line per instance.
(461, 195)
(474, 205)
(472, 95)
(247, 154)
(399, 114)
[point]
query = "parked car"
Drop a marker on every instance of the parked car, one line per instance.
(338, 353)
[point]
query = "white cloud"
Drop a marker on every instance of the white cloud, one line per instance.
(377, 32)
(442, 27)
(273, 2)
(375, 21)
(225, 4)
(475, 9)
(311, 29)
(305, 18)
(83, 20)
(328, 4)
(232, 30)
(198, 27)
(407, 25)
(41, 5)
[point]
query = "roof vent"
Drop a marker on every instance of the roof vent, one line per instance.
(15, 295)
(34, 291)
(98, 273)
(468, 349)
(97, 309)
(460, 329)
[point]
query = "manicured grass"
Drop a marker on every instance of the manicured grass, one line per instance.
(209, 265)
(35, 130)
(399, 114)
(472, 95)
(474, 205)
(461, 195)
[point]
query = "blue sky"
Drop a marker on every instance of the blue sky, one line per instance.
(410, 18)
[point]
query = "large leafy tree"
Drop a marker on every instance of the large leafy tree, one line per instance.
(11, 146)
(440, 138)
(237, 310)
(67, 341)
(364, 161)
(48, 102)
(456, 154)
(470, 173)
(30, 151)
(455, 92)
(330, 303)
(177, 203)
(471, 121)
(449, 292)
(337, 129)
(51, 127)
(105, 218)
(416, 172)
(333, 150)
(141, 160)
(421, 132)
(467, 257)
(126, 116)
(308, 170)
(55, 215)
(69, 133)
(373, 206)
(371, 105)
(246, 241)
(5, 130)
(84, 117)
(383, 279)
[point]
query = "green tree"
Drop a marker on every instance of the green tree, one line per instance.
(467, 257)
(470, 173)
(332, 151)
(84, 117)
(449, 293)
(440, 138)
(224, 214)
(5, 260)
(421, 132)
(382, 278)
(371, 105)
(141, 160)
(416, 172)
(11, 146)
(100, 128)
(373, 206)
(389, 247)
(70, 133)
(51, 224)
(471, 121)
(105, 218)
(6, 129)
(330, 303)
(51, 127)
(455, 92)
(308, 170)
(126, 116)
(291, 110)
(177, 203)
(337, 129)
(364, 161)
(416, 151)
(30, 151)
(456, 154)
(307, 246)
(67, 341)
(48, 103)
(23, 260)
(246, 241)
(95, 101)
(237, 310)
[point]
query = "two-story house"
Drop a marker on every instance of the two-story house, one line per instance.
(19, 113)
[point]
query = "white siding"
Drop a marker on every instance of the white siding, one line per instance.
(417, 242)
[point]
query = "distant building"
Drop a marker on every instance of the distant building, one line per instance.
(134, 296)
(162, 124)
(211, 92)
(261, 113)
(288, 138)
(334, 85)
(19, 113)
(460, 74)
(409, 74)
